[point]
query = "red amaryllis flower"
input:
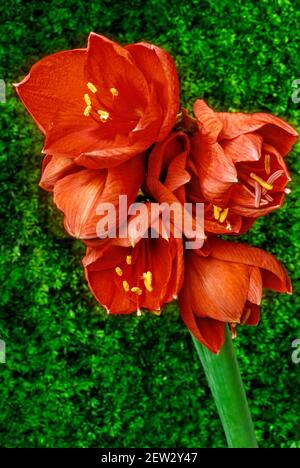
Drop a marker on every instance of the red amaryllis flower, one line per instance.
(223, 284)
(104, 104)
(238, 159)
(126, 275)
(81, 192)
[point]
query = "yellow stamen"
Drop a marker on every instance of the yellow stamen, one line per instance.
(267, 164)
(156, 312)
(87, 99)
(138, 312)
(261, 182)
(223, 215)
(128, 259)
(87, 111)
(137, 290)
(217, 211)
(103, 115)
(114, 92)
(126, 286)
(92, 87)
(119, 271)
(148, 281)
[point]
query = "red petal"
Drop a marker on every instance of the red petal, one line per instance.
(251, 314)
(216, 289)
(208, 121)
(208, 331)
(55, 168)
(273, 274)
(54, 82)
(274, 130)
(216, 172)
(243, 148)
(78, 195)
(177, 270)
(167, 162)
(108, 293)
(159, 68)
(255, 286)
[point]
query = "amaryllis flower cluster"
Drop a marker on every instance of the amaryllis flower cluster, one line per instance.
(113, 125)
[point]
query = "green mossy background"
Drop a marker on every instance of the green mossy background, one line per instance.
(74, 377)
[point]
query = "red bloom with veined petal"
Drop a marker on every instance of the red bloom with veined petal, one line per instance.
(104, 104)
(223, 284)
(79, 191)
(238, 159)
(126, 275)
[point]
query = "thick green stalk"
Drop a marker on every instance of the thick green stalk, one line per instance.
(223, 375)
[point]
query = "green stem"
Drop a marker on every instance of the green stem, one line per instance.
(223, 375)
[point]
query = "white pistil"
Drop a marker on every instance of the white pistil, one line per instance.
(257, 194)
(269, 198)
(273, 178)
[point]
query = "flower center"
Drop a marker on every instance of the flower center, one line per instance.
(136, 289)
(261, 185)
(265, 184)
(102, 113)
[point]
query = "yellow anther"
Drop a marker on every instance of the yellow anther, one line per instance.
(87, 99)
(103, 115)
(119, 271)
(128, 259)
(126, 286)
(267, 164)
(217, 211)
(223, 215)
(155, 312)
(92, 87)
(147, 277)
(261, 182)
(87, 111)
(114, 92)
(136, 290)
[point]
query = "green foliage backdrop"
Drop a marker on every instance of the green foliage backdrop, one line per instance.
(74, 377)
